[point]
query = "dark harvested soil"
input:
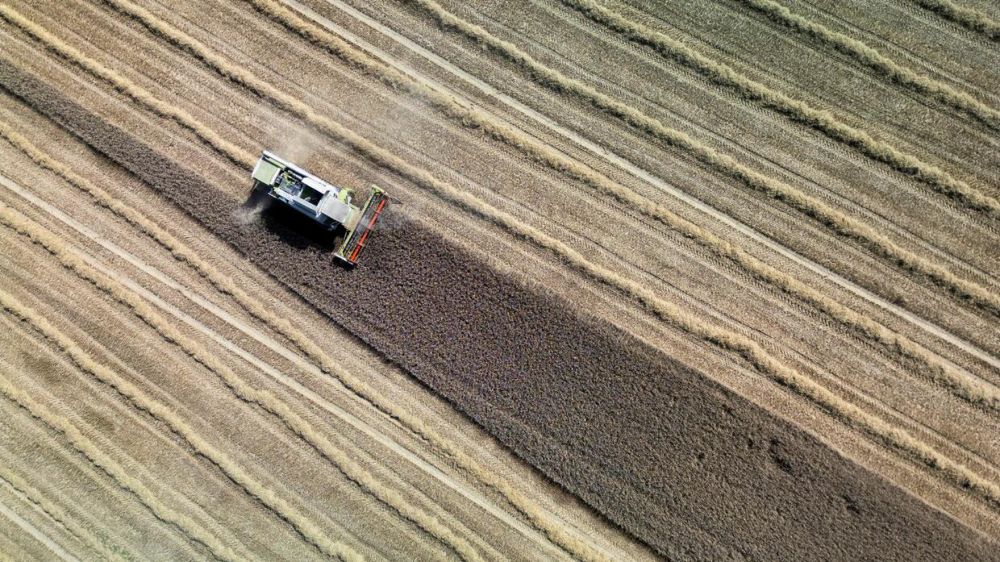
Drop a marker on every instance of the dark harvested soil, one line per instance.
(684, 464)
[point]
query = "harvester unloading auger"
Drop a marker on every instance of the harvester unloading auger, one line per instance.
(324, 203)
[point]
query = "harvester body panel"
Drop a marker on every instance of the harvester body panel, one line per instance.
(323, 202)
(266, 171)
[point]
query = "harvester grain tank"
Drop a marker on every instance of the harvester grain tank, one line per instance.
(327, 204)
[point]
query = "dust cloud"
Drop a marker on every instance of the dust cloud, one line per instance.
(295, 142)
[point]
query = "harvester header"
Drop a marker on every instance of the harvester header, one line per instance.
(327, 204)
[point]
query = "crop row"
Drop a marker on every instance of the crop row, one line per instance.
(523, 365)
(302, 342)
(104, 462)
(721, 337)
(957, 380)
(154, 171)
(836, 220)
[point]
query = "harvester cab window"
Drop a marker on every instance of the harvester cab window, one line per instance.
(286, 183)
(310, 195)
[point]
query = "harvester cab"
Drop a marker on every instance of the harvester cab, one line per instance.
(327, 204)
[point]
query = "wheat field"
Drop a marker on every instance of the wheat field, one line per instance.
(659, 280)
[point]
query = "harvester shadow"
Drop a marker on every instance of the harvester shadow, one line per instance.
(291, 227)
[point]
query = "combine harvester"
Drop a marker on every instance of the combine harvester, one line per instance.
(324, 203)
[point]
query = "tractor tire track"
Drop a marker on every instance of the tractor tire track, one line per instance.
(417, 283)
(941, 371)
(36, 533)
(105, 463)
(810, 206)
(31, 503)
(170, 446)
(235, 154)
(143, 402)
(668, 312)
(69, 466)
(898, 129)
(787, 162)
(534, 71)
(315, 361)
(264, 399)
(947, 373)
(907, 53)
(867, 56)
(822, 120)
(966, 17)
(53, 511)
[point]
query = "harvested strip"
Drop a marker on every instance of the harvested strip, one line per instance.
(877, 61)
(119, 474)
(235, 154)
(27, 529)
(667, 311)
(956, 379)
(966, 17)
(827, 215)
(529, 508)
(263, 398)
(417, 274)
(822, 120)
(57, 514)
(810, 206)
(521, 398)
(963, 384)
(62, 550)
(281, 508)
